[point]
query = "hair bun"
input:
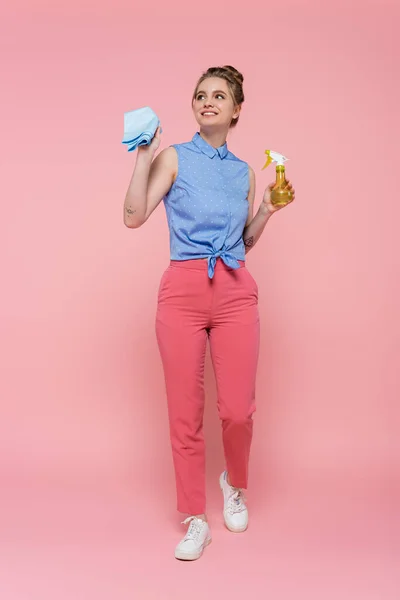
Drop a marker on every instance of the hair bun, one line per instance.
(234, 72)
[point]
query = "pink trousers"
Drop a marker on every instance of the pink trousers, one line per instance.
(192, 308)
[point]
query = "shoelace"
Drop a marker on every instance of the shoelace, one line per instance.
(194, 528)
(236, 502)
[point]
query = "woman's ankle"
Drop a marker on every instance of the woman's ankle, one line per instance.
(203, 517)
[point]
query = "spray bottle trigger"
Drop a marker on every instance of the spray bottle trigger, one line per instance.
(269, 160)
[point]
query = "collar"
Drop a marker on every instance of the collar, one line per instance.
(207, 149)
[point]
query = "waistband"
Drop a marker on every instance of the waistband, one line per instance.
(201, 264)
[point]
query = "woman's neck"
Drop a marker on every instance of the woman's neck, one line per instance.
(215, 138)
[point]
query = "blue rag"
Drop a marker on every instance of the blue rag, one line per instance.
(139, 127)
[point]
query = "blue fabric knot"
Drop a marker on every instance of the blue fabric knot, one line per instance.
(228, 259)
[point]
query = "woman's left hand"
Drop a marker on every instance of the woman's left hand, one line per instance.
(266, 201)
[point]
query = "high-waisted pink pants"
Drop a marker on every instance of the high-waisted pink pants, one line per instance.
(192, 308)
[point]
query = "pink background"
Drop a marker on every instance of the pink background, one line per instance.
(87, 484)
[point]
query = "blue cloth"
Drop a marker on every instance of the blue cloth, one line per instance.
(139, 127)
(207, 205)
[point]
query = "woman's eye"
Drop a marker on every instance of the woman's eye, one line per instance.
(201, 96)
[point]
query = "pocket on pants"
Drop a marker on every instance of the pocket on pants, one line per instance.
(163, 282)
(251, 281)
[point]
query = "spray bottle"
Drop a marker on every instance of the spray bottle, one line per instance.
(279, 195)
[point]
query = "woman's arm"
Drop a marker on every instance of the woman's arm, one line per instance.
(150, 182)
(254, 225)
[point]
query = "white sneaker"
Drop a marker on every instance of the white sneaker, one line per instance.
(236, 516)
(197, 537)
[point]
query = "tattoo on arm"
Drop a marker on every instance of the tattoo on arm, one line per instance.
(249, 242)
(129, 210)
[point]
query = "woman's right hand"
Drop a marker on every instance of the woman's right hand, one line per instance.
(151, 149)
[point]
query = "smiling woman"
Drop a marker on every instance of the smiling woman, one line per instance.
(206, 293)
(208, 94)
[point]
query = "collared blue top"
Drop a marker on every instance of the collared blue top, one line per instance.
(207, 205)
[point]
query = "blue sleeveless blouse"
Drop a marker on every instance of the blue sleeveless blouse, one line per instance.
(207, 205)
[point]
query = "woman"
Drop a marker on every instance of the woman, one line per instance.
(206, 293)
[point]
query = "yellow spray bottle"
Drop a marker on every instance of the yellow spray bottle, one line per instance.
(279, 195)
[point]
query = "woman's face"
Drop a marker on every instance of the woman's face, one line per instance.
(213, 105)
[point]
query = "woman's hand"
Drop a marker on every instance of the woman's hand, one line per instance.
(266, 204)
(151, 149)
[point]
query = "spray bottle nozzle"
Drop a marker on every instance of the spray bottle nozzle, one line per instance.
(274, 157)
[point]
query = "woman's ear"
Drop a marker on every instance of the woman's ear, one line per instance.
(236, 112)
